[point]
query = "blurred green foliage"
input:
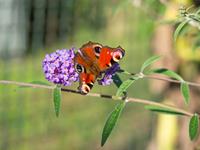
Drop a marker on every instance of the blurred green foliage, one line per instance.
(27, 119)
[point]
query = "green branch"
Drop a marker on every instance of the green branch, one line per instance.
(111, 97)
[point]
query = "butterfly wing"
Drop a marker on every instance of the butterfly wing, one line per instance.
(86, 76)
(83, 62)
(102, 57)
(86, 81)
(91, 60)
(109, 56)
(91, 51)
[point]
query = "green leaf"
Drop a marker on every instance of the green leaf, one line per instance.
(184, 86)
(163, 110)
(111, 122)
(125, 85)
(179, 28)
(149, 61)
(168, 73)
(185, 92)
(125, 72)
(198, 11)
(194, 126)
(57, 99)
(116, 79)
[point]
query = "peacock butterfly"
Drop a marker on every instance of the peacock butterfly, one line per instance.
(92, 60)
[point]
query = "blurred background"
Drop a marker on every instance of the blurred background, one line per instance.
(31, 28)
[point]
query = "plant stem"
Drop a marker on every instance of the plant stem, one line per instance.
(170, 80)
(162, 78)
(26, 84)
(143, 101)
(110, 97)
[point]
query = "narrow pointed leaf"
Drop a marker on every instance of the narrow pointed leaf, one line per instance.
(194, 126)
(116, 79)
(185, 92)
(168, 73)
(198, 11)
(57, 99)
(149, 61)
(125, 85)
(125, 72)
(111, 122)
(179, 28)
(184, 86)
(163, 110)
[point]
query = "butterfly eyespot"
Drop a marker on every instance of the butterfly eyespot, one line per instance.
(97, 50)
(79, 68)
(117, 56)
(85, 89)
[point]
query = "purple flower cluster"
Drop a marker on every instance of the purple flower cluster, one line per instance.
(59, 68)
(107, 78)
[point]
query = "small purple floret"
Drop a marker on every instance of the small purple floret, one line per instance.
(107, 78)
(58, 67)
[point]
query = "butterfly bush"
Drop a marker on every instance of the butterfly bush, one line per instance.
(58, 67)
(107, 78)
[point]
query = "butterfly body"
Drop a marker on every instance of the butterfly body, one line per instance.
(92, 60)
